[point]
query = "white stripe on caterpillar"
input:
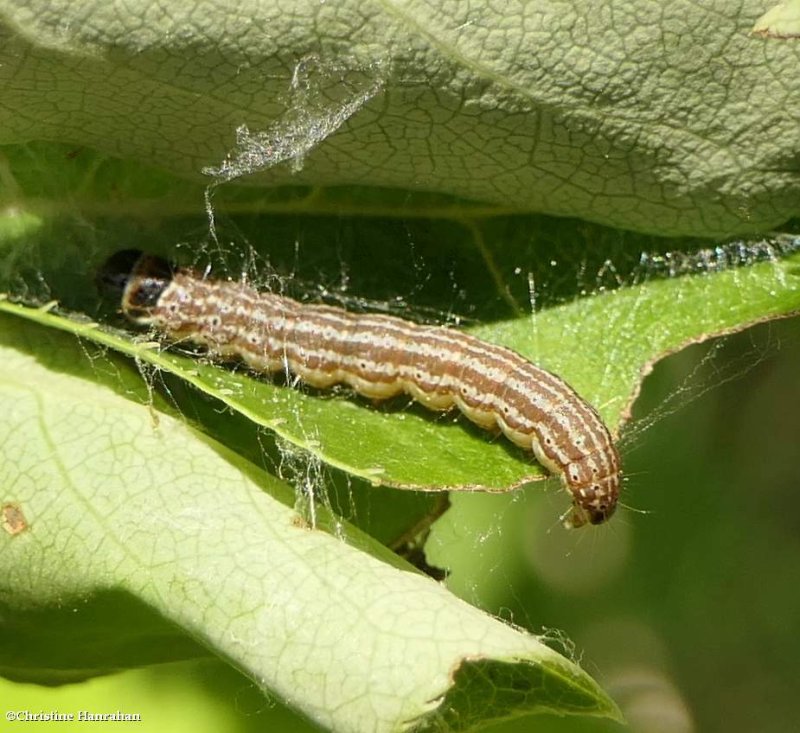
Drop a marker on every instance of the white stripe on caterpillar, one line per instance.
(379, 357)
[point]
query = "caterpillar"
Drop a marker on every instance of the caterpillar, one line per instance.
(381, 356)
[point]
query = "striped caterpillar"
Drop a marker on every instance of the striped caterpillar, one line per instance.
(381, 356)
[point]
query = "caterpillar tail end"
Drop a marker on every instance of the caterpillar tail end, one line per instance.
(574, 518)
(579, 516)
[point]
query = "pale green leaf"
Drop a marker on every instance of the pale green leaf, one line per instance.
(121, 500)
(668, 118)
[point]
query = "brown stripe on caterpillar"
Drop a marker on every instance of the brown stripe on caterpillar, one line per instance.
(381, 356)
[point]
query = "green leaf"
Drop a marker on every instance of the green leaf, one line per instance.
(668, 120)
(121, 500)
(602, 345)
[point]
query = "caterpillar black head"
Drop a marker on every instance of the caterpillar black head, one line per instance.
(137, 279)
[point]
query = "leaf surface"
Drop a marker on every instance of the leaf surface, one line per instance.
(668, 119)
(117, 500)
(602, 345)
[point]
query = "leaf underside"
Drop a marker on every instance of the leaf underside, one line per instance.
(665, 120)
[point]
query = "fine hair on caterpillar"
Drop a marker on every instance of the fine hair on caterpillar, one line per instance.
(381, 356)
